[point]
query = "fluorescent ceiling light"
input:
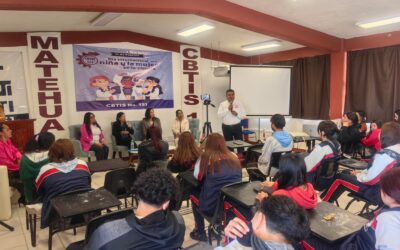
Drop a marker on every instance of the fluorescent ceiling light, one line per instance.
(195, 29)
(378, 22)
(104, 18)
(262, 45)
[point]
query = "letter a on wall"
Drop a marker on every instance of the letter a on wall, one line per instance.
(46, 68)
(191, 81)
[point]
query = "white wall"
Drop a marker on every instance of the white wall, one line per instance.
(216, 86)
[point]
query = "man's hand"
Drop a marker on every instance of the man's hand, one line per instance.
(236, 228)
(355, 172)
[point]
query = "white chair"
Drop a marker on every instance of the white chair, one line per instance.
(33, 212)
(5, 199)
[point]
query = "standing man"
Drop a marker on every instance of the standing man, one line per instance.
(231, 112)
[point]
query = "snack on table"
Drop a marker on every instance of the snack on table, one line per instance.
(330, 217)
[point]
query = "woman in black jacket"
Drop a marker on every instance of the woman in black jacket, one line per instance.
(122, 131)
(350, 134)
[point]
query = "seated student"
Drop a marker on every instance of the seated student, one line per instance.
(384, 229)
(280, 141)
(122, 131)
(152, 149)
(328, 148)
(366, 182)
(181, 124)
(186, 154)
(216, 168)
(349, 134)
(64, 173)
(92, 137)
(35, 157)
(278, 224)
(372, 138)
(362, 121)
(10, 157)
(291, 181)
(153, 226)
(150, 120)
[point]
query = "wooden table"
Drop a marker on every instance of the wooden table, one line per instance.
(107, 165)
(353, 164)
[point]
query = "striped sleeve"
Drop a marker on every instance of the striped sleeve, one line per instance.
(196, 172)
(381, 163)
(313, 160)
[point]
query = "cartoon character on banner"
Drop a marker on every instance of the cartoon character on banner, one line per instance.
(152, 90)
(106, 91)
(126, 82)
(138, 89)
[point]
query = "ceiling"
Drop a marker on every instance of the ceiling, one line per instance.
(333, 17)
(224, 37)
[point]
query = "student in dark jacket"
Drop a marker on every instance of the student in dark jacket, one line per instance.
(64, 173)
(216, 168)
(349, 134)
(152, 149)
(186, 154)
(152, 226)
(122, 131)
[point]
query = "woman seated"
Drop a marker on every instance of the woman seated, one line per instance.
(10, 157)
(349, 135)
(122, 131)
(35, 157)
(186, 154)
(216, 168)
(64, 173)
(181, 124)
(152, 149)
(92, 137)
(291, 181)
(328, 148)
(384, 229)
(365, 182)
(371, 141)
(150, 120)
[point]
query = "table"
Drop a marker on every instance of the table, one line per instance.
(106, 165)
(343, 225)
(353, 164)
(237, 144)
(309, 140)
(243, 193)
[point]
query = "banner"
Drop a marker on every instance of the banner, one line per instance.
(12, 84)
(191, 81)
(110, 78)
(46, 67)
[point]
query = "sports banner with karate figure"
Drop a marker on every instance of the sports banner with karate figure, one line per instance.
(115, 78)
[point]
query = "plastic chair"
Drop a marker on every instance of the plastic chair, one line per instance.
(117, 148)
(96, 223)
(120, 183)
(325, 173)
(75, 135)
(274, 162)
(5, 198)
(194, 127)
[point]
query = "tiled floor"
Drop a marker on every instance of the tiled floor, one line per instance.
(19, 239)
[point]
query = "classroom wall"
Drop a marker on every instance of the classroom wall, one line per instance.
(216, 86)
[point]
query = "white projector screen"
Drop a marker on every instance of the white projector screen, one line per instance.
(263, 90)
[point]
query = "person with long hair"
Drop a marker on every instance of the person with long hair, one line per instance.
(64, 173)
(154, 148)
(150, 120)
(10, 157)
(216, 168)
(328, 148)
(92, 137)
(186, 154)
(383, 231)
(122, 130)
(35, 157)
(291, 181)
(181, 124)
(366, 182)
(371, 141)
(349, 135)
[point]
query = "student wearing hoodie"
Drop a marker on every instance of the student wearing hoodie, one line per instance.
(372, 139)
(35, 156)
(153, 226)
(366, 182)
(279, 224)
(291, 181)
(280, 141)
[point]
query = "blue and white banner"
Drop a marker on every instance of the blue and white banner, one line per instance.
(114, 79)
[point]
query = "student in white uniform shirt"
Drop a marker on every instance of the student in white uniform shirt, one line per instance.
(231, 112)
(181, 124)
